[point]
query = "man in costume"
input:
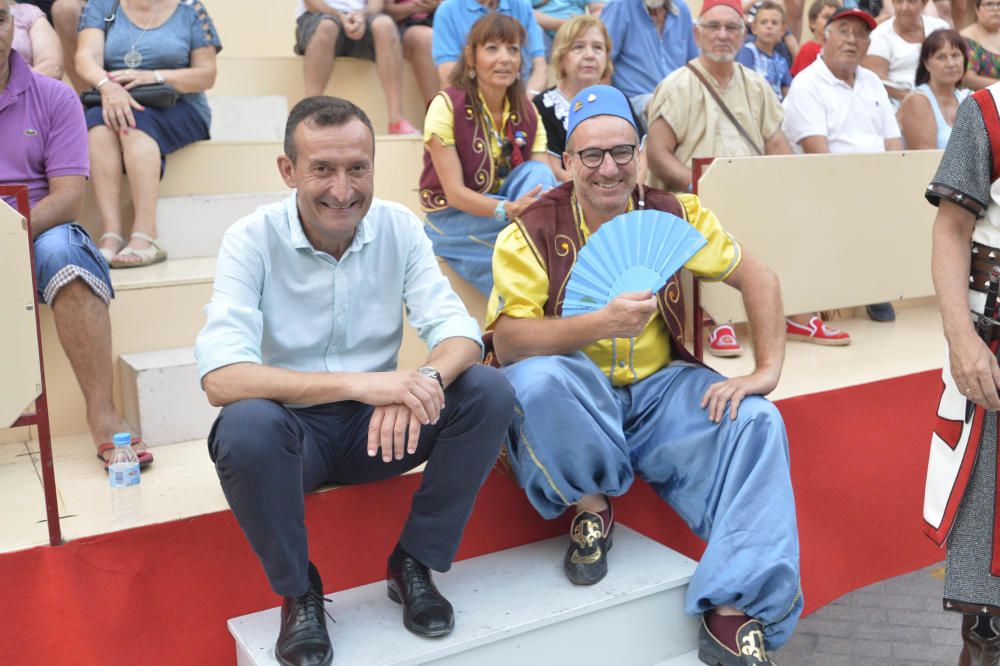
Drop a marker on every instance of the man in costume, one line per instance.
(300, 348)
(610, 394)
(961, 491)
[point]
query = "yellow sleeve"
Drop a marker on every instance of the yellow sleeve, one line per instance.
(440, 120)
(541, 144)
(520, 282)
(716, 260)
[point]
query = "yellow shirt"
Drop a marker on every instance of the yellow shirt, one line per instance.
(521, 289)
(440, 122)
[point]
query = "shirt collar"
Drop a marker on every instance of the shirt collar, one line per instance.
(503, 7)
(20, 76)
(364, 234)
(829, 76)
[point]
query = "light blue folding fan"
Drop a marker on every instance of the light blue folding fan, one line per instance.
(631, 252)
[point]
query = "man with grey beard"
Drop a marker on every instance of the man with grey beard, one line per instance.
(688, 118)
(649, 39)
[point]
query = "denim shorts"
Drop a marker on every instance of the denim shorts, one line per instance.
(65, 253)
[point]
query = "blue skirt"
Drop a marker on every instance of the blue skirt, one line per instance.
(171, 129)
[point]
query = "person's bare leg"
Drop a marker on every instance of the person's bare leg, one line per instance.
(592, 503)
(417, 50)
(66, 19)
(318, 62)
(84, 328)
(389, 63)
(142, 161)
(106, 178)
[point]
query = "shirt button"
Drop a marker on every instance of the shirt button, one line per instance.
(621, 364)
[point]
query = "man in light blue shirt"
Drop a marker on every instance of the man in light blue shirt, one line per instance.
(300, 349)
(649, 39)
(454, 19)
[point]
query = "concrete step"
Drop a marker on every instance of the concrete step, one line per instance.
(686, 659)
(281, 74)
(161, 396)
(515, 606)
(208, 170)
(248, 118)
(193, 226)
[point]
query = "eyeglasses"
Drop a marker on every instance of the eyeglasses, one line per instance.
(715, 26)
(594, 157)
(846, 32)
(992, 6)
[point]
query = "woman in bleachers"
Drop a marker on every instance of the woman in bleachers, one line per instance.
(484, 151)
(926, 117)
(983, 40)
(170, 42)
(36, 41)
(894, 47)
(580, 59)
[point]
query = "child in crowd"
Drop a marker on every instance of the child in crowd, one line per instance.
(819, 13)
(788, 46)
(761, 54)
(551, 14)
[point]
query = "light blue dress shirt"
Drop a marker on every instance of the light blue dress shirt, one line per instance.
(280, 302)
(454, 19)
(641, 55)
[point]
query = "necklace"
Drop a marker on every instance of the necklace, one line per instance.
(133, 58)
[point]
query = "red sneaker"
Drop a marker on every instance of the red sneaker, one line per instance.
(403, 128)
(816, 332)
(722, 342)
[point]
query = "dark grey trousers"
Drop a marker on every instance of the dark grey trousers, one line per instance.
(268, 455)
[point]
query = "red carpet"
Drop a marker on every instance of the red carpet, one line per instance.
(858, 462)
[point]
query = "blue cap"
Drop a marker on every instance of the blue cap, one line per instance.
(122, 438)
(598, 101)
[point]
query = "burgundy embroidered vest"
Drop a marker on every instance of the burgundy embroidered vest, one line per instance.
(555, 239)
(472, 141)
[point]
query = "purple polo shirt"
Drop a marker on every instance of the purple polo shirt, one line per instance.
(42, 131)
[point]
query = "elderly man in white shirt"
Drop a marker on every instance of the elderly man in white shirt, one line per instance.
(300, 349)
(836, 106)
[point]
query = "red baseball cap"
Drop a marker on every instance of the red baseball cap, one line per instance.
(732, 4)
(850, 12)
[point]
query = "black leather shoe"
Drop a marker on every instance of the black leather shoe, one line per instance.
(425, 611)
(586, 559)
(303, 640)
(749, 639)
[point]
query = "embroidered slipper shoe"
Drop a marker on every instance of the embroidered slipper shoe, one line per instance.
(816, 332)
(586, 559)
(749, 639)
(722, 342)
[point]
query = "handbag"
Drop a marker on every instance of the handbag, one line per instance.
(153, 95)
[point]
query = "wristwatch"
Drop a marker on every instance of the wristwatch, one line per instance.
(500, 212)
(159, 77)
(428, 371)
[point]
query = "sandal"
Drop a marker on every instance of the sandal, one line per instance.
(153, 254)
(107, 252)
(145, 457)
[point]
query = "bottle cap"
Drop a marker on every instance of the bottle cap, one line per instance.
(122, 438)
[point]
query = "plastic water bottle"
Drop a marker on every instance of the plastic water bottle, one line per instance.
(123, 474)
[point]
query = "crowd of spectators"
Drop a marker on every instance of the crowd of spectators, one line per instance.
(742, 79)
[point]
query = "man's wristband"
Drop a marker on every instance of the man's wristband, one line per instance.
(428, 371)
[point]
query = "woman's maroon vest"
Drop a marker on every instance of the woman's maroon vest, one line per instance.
(555, 239)
(472, 141)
